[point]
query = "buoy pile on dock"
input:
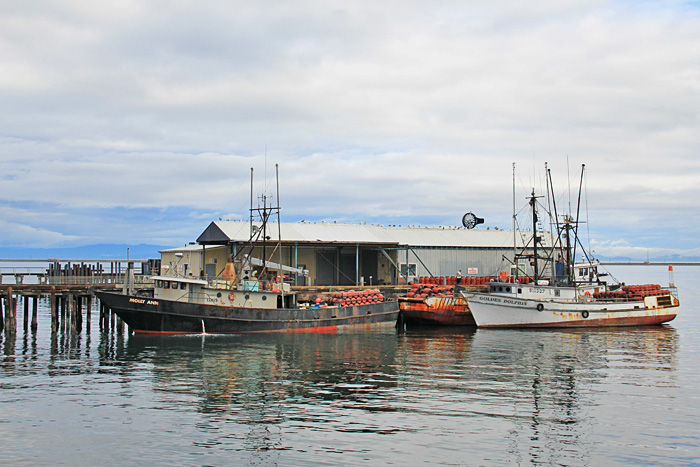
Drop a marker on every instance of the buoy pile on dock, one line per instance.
(421, 291)
(356, 297)
(633, 292)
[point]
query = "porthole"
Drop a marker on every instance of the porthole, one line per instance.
(264, 297)
(218, 294)
(247, 296)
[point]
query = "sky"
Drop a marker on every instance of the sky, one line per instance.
(138, 121)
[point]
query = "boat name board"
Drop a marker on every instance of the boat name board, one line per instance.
(143, 301)
(508, 301)
(535, 290)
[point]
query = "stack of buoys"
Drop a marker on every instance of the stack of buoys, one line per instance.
(614, 294)
(420, 291)
(356, 297)
(633, 292)
(638, 292)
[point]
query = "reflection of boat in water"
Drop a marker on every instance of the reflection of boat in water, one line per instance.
(548, 384)
(435, 305)
(574, 295)
(252, 297)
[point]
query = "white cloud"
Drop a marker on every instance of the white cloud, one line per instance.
(373, 110)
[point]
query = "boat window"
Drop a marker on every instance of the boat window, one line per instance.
(183, 285)
(174, 285)
(520, 290)
(159, 284)
(166, 284)
(582, 272)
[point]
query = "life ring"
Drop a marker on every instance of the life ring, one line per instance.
(540, 307)
(587, 294)
(232, 296)
(584, 313)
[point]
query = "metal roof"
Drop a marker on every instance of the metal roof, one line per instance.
(222, 232)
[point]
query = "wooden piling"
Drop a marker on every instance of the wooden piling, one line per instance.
(54, 310)
(71, 312)
(26, 312)
(10, 312)
(62, 298)
(79, 313)
(2, 313)
(35, 312)
(88, 310)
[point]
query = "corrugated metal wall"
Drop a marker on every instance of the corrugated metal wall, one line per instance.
(446, 261)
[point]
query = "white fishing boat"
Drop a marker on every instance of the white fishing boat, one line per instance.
(559, 293)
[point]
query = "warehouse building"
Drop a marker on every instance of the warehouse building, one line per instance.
(349, 254)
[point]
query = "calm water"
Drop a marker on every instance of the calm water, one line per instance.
(426, 397)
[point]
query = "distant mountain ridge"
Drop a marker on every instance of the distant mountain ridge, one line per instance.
(101, 251)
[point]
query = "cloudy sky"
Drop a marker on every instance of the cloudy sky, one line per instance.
(138, 121)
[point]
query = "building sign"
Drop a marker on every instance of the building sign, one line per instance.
(473, 271)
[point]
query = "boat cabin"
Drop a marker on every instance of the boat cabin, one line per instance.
(247, 294)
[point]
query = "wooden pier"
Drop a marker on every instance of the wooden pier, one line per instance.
(70, 288)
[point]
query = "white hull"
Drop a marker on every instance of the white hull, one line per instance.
(492, 310)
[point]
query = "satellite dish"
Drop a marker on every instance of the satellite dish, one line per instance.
(469, 220)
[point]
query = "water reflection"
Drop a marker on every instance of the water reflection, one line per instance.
(439, 396)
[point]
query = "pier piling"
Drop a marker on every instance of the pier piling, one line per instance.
(26, 313)
(35, 312)
(54, 310)
(10, 312)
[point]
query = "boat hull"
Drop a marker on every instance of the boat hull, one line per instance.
(150, 315)
(495, 311)
(436, 311)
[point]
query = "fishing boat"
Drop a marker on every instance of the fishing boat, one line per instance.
(559, 293)
(433, 305)
(250, 295)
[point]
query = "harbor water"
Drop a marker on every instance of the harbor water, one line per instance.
(446, 396)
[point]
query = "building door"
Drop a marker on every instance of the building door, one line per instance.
(348, 263)
(326, 265)
(369, 266)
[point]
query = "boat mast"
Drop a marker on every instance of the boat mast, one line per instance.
(251, 202)
(279, 230)
(533, 204)
(553, 266)
(578, 209)
(515, 253)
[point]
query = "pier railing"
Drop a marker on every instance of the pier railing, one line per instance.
(72, 272)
